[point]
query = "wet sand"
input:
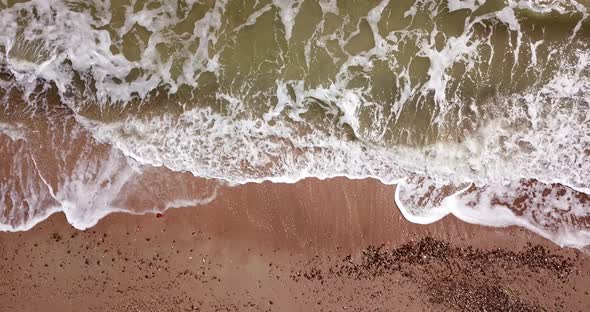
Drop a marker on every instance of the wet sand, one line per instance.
(334, 245)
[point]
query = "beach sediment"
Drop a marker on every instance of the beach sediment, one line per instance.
(333, 245)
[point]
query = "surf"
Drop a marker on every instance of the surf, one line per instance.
(471, 108)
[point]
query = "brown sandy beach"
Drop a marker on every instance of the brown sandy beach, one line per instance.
(335, 245)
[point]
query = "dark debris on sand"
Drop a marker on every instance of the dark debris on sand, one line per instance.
(458, 278)
(152, 273)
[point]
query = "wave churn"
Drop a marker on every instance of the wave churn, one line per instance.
(478, 109)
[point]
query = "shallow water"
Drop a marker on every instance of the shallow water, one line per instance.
(475, 108)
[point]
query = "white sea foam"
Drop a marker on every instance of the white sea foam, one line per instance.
(288, 12)
(472, 5)
(86, 185)
(239, 148)
(210, 145)
(329, 6)
(14, 132)
(26, 199)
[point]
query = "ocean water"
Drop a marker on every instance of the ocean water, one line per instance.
(474, 108)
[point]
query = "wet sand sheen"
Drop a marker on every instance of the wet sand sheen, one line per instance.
(288, 247)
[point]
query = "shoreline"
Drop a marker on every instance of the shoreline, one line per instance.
(385, 156)
(308, 246)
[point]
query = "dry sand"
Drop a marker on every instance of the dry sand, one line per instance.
(335, 245)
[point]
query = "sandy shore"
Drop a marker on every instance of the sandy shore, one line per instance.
(336, 245)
